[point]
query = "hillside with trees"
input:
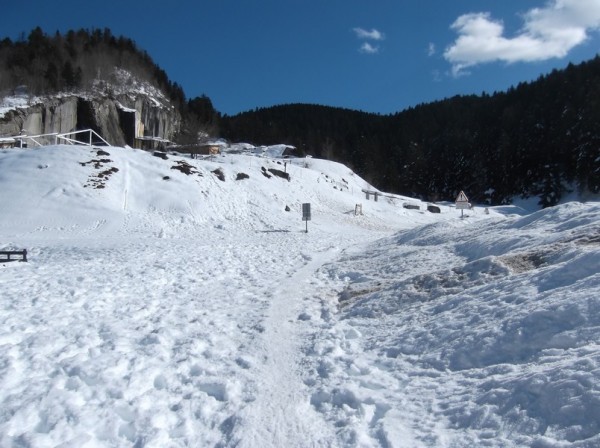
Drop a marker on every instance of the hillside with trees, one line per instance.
(49, 64)
(537, 139)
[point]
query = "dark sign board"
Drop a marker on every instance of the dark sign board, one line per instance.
(306, 212)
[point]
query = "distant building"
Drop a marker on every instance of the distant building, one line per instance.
(209, 149)
(150, 143)
(201, 149)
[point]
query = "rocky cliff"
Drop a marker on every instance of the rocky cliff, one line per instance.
(134, 119)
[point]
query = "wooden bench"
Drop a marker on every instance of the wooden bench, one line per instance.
(6, 255)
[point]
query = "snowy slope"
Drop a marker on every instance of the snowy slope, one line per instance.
(146, 194)
(490, 329)
(174, 309)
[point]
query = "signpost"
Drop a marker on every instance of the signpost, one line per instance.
(306, 214)
(462, 203)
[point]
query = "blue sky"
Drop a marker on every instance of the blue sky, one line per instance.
(380, 56)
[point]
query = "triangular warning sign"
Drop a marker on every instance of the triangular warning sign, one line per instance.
(462, 197)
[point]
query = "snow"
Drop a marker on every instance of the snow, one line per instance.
(167, 309)
(9, 103)
(125, 109)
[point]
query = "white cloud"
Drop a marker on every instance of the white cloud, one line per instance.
(368, 48)
(431, 49)
(548, 32)
(373, 34)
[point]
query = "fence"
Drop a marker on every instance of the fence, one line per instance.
(93, 138)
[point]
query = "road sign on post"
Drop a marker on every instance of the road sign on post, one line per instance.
(306, 214)
(462, 202)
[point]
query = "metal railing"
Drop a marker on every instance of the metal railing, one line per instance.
(66, 137)
(90, 141)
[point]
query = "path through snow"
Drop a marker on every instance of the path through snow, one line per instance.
(195, 341)
(282, 414)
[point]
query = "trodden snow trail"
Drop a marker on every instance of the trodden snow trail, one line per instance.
(282, 414)
(207, 350)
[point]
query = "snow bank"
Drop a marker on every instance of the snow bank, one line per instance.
(490, 327)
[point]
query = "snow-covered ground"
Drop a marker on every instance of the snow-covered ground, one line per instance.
(167, 309)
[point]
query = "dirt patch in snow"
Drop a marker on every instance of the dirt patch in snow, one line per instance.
(98, 180)
(185, 168)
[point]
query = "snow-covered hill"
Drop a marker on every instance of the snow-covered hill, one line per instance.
(178, 302)
(85, 191)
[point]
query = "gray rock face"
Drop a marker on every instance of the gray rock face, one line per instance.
(123, 120)
(55, 115)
